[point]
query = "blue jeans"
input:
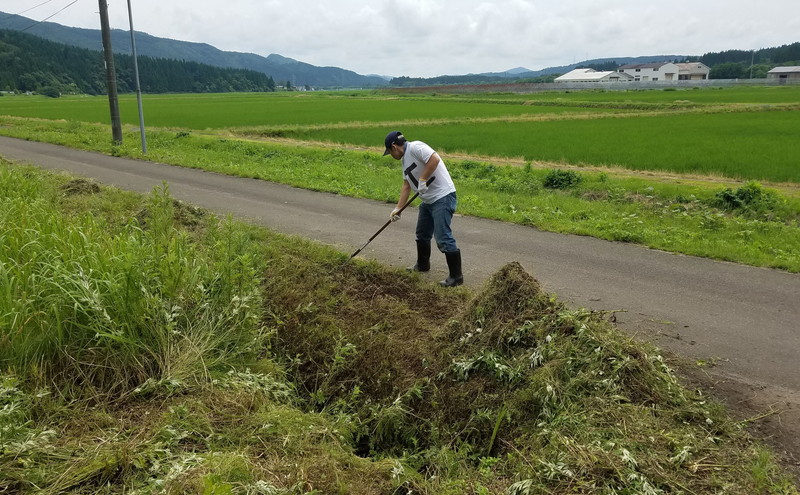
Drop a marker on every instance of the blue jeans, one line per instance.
(434, 221)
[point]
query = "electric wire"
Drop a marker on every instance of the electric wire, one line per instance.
(48, 17)
(29, 9)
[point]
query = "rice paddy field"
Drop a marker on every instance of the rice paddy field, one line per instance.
(219, 111)
(751, 145)
(746, 133)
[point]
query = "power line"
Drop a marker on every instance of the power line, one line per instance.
(51, 16)
(7, 16)
(34, 7)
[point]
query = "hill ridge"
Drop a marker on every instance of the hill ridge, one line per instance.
(280, 68)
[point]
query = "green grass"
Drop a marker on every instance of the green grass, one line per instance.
(695, 95)
(76, 299)
(326, 380)
(699, 137)
(220, 111)
(750, 145)
(678, 215)
(738, 133)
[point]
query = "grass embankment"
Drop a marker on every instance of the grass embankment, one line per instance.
(149, 348)
(718, 219)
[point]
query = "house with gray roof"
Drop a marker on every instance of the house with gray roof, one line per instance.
(693, 71)
(784, 74)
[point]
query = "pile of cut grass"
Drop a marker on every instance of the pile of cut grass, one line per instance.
(537, 397)
(354, 380)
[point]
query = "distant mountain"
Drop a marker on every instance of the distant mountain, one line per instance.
(508, 73)
(281, 69)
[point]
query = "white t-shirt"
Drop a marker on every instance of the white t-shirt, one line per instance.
(414, 159)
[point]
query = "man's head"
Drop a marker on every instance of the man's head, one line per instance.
(395, 144)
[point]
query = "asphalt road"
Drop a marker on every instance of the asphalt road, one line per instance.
(745, 319)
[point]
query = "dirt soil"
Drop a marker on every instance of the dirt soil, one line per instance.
(770, 413)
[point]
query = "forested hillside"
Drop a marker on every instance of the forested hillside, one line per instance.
(281, 69)
(30, 63)
(750, 64)
(777, 55)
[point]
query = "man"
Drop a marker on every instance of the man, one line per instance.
(421, 164)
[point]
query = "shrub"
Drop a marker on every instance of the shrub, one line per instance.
(750, 197)
(561, 179)
(50, 91)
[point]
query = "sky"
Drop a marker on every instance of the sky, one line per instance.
(428, 38)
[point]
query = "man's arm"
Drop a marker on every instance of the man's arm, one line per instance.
(430, 167)
(404, 193)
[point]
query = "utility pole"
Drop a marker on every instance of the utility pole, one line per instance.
(111, 76)
(138, 87)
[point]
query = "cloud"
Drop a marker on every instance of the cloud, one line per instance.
(435, 37)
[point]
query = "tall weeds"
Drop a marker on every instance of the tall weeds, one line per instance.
(90, 311)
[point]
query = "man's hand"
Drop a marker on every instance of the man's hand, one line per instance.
(422, 188)
(395, 216)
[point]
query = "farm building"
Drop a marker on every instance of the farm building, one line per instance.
(591, 75)
(783, 74)
(693, 71)
(661, 71)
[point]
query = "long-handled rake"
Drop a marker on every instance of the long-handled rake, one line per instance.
(430, 181)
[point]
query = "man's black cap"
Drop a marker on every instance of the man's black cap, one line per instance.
(391, 139)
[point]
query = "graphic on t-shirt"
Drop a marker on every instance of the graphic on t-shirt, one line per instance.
(410, 176)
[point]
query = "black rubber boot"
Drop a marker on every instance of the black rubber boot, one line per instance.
(423, 263)
(454, 265)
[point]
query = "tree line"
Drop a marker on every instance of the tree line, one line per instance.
(776, 55)
(30, 63)
(746, 64)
